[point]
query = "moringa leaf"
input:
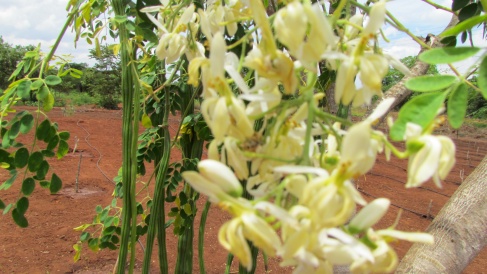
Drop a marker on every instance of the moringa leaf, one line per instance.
(457, 105)
(56, 184)
(53, 80)
(464, 25)
(21, 157)
(35, 161)
(19, 218)
(23, 89)
(428, 83)
(420, 110)
(482, 77)
(26, 123)
(28, 186)
(48, 102)
(447, 55)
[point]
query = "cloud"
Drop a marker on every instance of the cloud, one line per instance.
(27, 22)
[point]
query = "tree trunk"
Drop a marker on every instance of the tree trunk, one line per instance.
(459, 230)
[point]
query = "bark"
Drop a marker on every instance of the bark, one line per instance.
(331, 105)
(399, 91)
(459, 230)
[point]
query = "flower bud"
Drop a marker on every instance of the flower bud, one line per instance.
(369, 215)
(220, 175)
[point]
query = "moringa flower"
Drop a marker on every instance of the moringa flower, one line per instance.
(434, 160)
(231, 237)
(370, 214)
(220, 175)
(361, 144)
(306, 32)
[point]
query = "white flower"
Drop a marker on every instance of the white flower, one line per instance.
(359, 147)
(431, 156)
(435, 159)
(204, 186)
(235, 158)
(290, 25)
(377, 17)
(220, 175)
(261, 233)
(370, 214)
(231, 237)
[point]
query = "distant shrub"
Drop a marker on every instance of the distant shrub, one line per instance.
(108, 102)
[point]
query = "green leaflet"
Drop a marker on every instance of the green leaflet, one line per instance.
(63, 149)
(457, 105)
(53, 80)
(465, 25)
(458, 4)
(420, 110)
(482, 77)
(19, 218)
(429, 83)
(56, 184)
(35, 161)
(37, 84)
(23, 89)
(447, 55)
(26, 123)
(21, 157)
(48, 102)
(28, 186)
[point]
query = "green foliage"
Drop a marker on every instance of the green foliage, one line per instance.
(10, 56)
(104, 78)
(457, 105)
(104, 231)
(20, 159)
(482, 77)
(428, 83)
(469, 15)
(446, 55)
(394, 75)
(477, 103)
(421, 110)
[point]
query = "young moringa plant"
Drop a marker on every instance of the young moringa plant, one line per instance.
(278, 162)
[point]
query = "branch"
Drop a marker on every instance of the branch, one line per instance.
(459, 230)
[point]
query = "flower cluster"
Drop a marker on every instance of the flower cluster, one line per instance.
(273, 141)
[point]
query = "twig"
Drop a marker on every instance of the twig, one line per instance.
(77, 175)
(428, 215)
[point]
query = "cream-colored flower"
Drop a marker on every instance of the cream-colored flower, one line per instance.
(235, 158)
(433, 156)
(231, 237)
(275, 66)
(290, 25)
(204, 186)
(174, 42)
(377, 16)
(359, 150)
(260, 233)
(361, 144)
(306, 32)
(220, 175)
(345, 89)
(369, 215)
(215, 112)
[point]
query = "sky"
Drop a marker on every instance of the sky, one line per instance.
(28, 22)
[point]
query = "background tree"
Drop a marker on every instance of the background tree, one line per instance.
(10, 56)
(104, 78)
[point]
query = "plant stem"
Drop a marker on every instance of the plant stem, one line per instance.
(56, 43)
(130, 101)
(201, 237)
